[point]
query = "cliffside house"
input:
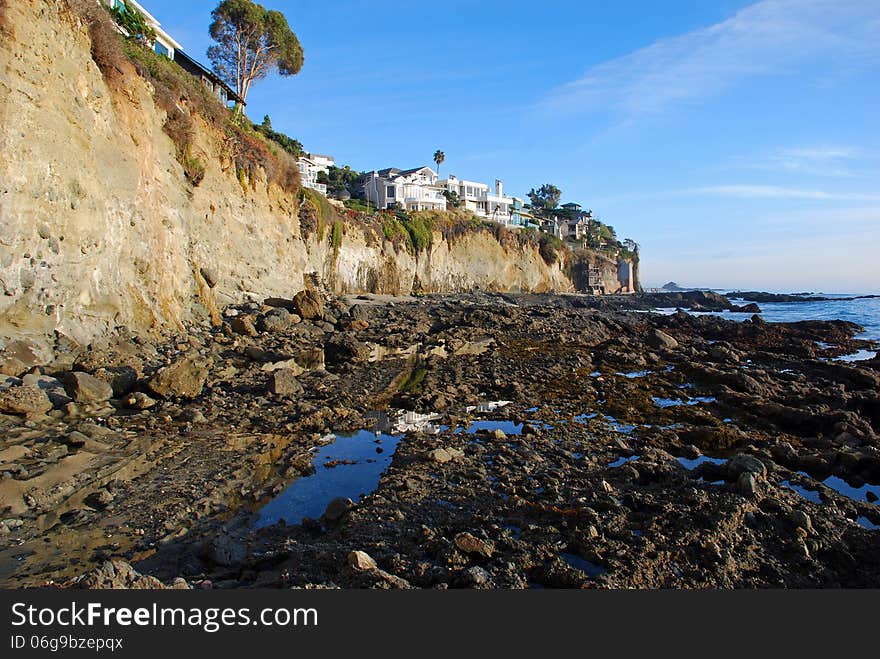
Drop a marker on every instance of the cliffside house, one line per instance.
(165, 43)
(167, 46)
(312, 165)
(414, 189)
(480, 200)
(520, 216)
(210, 79)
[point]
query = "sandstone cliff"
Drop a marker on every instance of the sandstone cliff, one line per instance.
(99, 227)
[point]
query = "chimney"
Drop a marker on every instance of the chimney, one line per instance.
(499, 187)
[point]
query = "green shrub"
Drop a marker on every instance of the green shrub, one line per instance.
(359, 205)
(548, 248)
(290, 145)
(326, 214)
(193, 169)
(133, 22)
(420, 232)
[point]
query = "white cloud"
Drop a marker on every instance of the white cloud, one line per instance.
(824, 161)
(771, 37)
(772, 192)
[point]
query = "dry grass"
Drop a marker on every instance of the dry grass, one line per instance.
(4, 25)
(106, 44)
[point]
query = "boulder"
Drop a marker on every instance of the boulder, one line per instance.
(276, 320)
(115, 574)
(184, 378)
(470, 544)
(122, 378)
(439, 455)
(361, 560)
(744, 463)
(747, 484)
(24, 400)
(284, 383)
(337, 509)
(280, 303)
(343, 349)
(100, 499)
(139, 401)
(359, 312)
(659, 339)
(243, 325)
(85, 388)
(443, 455)
(308, 304)
(801, 520)
(210, 276)
(227, 550)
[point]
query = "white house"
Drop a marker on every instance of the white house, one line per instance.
(309, 168)
(477, 198)
(165, 43)
(414, 189)
(323, 162)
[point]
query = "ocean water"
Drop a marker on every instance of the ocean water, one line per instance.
(864, 312)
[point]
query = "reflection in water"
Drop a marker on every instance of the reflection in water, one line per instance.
(809, 495)
(349, 467)
(402, 421)
(855, 493)
(622, 461)
(676, 402)
(691, 464)
(582, 564)
(860, 356)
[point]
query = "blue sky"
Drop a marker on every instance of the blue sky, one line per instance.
(738, 142)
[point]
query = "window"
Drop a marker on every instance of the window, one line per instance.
(389, 192)
(161, 50)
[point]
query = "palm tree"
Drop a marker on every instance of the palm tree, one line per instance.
(439, 158)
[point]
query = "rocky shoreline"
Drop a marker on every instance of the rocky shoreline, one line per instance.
(559, 441)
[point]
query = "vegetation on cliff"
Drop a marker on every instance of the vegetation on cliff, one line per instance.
(185, 100)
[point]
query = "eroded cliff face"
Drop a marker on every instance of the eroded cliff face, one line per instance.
(99, 227)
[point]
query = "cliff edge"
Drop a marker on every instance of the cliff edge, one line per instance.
(102, 225)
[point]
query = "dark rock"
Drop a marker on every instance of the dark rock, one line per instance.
(100, 499)
(744, 463)
(115, 574)
(227, 550)
(659, 339)
(122, 378)
(747, 484)
(276, 320)
(343, 349)
(280, 303)
(337, 509)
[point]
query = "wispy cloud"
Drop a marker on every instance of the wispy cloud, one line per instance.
(771, 37)
(772, 192)
(827, 161)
